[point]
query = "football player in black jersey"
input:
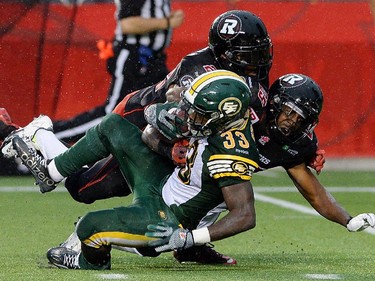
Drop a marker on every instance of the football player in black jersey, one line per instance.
(285, 137)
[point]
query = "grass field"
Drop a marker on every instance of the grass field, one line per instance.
(289, 242)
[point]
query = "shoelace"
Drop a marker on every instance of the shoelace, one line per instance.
(71, 261)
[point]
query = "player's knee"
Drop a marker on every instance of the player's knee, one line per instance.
(86, 226)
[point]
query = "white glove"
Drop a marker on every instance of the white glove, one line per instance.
(171, 238)
(361, 222)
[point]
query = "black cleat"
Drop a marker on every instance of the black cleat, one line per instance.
(36, 164)
(63, 258)
(202, 254)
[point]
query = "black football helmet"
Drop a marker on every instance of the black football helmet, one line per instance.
(300, 94)
(240, 42)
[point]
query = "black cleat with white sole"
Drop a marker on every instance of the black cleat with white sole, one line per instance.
(36, 164)
(63, 258)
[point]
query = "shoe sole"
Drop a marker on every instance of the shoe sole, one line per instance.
(45, 183)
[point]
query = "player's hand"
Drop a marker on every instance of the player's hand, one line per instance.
(317, 162)
(361, 222)
(179, 150)
(163, 119)
(171, 239)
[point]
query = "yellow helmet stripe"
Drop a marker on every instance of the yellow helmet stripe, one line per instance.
(208, 77)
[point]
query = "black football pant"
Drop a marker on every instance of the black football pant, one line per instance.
(101, 181)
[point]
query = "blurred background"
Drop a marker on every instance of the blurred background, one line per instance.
(49, 61)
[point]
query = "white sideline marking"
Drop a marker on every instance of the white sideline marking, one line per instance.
(295, 206)
(112, 276)
(260, 197)
(323, 276)
(28, 189)
(369, 189)
(286, 204)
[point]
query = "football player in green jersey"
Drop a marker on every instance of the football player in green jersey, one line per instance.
(166, 209)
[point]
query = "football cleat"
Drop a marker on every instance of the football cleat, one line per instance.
(36, 164)
(27, 134)
(6, 125)
(72, 243)
(63, 258)
(204, 254)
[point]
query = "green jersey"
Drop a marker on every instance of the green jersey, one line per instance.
(194, 191)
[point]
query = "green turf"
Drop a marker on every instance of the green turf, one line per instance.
(285, 245)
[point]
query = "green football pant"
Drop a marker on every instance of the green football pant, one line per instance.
(144, 171)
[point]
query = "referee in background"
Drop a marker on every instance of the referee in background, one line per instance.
(135, 58)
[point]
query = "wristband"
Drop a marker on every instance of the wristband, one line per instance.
(201, 236)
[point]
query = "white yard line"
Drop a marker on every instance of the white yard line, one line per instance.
(295, 207)
(369, 189)
(260, 197)
(28, 189)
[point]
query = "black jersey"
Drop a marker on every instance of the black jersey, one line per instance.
(190, 67)
(273, 153)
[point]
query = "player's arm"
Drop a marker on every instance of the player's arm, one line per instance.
(239, 199)
(156, 141)
(241, 217)
(324, 203)
(318, 197)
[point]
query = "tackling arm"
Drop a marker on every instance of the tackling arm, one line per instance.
(318, 197)
(324, 203)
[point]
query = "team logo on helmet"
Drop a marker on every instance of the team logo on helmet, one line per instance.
(229, 27)
(186, 80)
(230, 106)
(292, 80)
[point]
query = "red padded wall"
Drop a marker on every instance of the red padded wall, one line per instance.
(330, 41)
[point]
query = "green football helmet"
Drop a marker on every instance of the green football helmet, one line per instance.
(216, 101)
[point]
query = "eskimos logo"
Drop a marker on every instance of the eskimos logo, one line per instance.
(230, 106)
(229, 27)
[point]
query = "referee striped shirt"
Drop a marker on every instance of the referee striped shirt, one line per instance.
(156, 40)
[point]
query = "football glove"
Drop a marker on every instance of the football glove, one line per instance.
(361, 222)
(317, 162)
(171, 239)
(179, 150)
(163, 118)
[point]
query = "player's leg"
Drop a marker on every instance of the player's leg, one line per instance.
(101, 181)
(123, 226)
(115, 136)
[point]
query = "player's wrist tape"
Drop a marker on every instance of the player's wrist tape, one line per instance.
(201, 236)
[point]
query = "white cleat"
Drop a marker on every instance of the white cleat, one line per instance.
(72, 243)
(27, 134)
